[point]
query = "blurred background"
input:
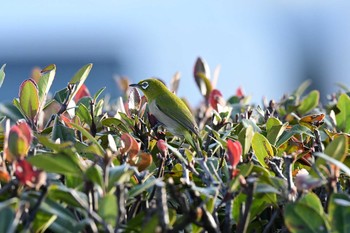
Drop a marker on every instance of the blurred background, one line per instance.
(267, 47)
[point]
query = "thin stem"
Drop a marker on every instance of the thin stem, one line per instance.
(243, 223)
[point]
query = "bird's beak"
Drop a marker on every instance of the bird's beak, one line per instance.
(134, 85)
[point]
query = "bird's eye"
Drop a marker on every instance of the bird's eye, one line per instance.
(144, 85)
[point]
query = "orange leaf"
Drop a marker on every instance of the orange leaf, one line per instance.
(142, 161)
(130, 145)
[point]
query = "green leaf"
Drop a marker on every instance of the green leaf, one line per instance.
(248, 122)
(94, 173)
(65, 219)
(309, 102)
(29, 99)
(59, 131)
(45, 82)
(272, 121)
(245, 137)
(83, 113)
(313, 201)
(339, 212)
(98, 93)
(138, 189)
(344, 115)
(61, 95)
(42, 221)
(11, 111)
(338, 148)
(7, 216)
(262, 148)
(2, 74)
(296, 129)
(108, 209)
(120, 174)
(61, 193)
(61, 164)
(337, 163)
(301, 217)
(274, 129)
(79, 79)
(86, 134)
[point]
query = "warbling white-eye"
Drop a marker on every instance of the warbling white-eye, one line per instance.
(168, 108)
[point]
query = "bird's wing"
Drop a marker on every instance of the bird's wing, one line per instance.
(173, 112)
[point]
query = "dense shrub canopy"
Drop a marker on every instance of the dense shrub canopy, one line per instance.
(76, 162)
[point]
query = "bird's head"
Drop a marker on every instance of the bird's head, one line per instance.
(151, 87)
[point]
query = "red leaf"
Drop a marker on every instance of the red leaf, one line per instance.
(26, 130)
(130, 145)
(29, 175)
(215, 98)
(234, 151)
(18, 141)
(82, 92)
(239, 92)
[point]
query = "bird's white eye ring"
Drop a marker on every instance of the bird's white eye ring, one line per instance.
(144, 85)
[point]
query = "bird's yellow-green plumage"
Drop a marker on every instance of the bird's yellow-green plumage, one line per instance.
(168, 108)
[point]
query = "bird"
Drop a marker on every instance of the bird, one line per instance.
(168, 108)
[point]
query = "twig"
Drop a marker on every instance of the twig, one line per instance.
(288, 161)
(271, 221)
(244, 221)
(162, 207)
(32, 212)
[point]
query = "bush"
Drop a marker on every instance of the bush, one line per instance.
(75, 162)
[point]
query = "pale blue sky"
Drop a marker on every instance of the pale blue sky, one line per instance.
(268, 47)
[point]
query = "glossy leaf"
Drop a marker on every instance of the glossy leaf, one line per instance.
(94, 173)
(130, 145)
(215, 99)
(79, 79)
(29, 175)
(262, 148)
(309, 102)
(297, 216)
(296, 129)
(61, 164)
(83, 91)
(29, 99)
(136, 190)
(69, 196)
(19, 140)
(86, 134)
(339, 212)
(108, 208)
(344, 115)
(331, 160)
(337, 149)
(142, 161)
(234, 151)
(45, 82)
(245, 137)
